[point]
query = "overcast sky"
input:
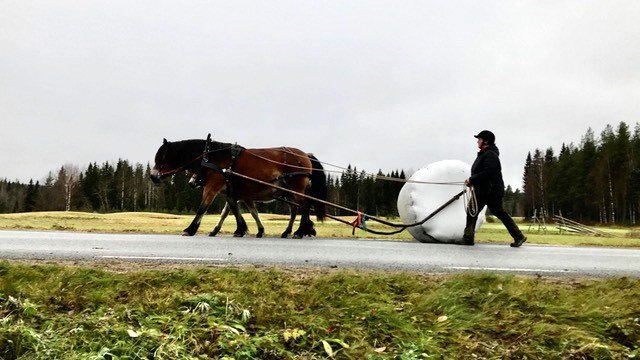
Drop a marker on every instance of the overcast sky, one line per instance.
(381, 85)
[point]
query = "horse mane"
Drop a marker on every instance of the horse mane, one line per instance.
(187, 150)
(193, 146)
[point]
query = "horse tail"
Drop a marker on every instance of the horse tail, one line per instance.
(318, 187)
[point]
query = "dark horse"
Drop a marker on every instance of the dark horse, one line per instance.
(288, 168)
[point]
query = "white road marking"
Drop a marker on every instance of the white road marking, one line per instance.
(619, 254)
(161, 258)
(503, 269)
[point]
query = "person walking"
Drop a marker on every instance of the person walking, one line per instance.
(486, 178)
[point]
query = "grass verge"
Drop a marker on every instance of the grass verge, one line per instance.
(158, 223)
(71, 312)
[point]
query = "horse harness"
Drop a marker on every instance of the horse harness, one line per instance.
(286, 176)
(235, 151)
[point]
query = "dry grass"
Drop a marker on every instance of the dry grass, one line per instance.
(140, 222)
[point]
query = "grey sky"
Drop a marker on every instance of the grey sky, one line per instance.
(391, 84)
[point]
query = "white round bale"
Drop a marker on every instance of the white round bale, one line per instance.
(416, 201)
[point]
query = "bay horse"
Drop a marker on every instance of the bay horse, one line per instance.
(289, 168)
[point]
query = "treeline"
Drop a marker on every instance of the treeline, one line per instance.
(597, 181)
(358, 190)
(124, 186)
(101, 188)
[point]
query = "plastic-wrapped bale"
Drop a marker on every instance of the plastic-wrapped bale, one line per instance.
(416, 201)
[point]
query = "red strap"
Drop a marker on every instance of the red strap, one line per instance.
(356, 223)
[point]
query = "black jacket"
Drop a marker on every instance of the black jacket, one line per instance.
(486, 173)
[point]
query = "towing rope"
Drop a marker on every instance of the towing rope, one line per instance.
(358, 223)
(375, 176)
(343, 169)
(470, 202)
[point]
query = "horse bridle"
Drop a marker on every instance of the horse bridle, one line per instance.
(163, 175)
(235, 153)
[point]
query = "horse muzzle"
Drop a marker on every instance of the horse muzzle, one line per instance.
(195, 182)
(192, 183)
(154, 175)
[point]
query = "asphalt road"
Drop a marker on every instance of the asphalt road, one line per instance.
(320, 252)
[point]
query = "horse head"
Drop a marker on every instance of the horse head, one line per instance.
(166, 162)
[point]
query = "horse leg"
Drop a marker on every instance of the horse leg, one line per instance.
(242, 228)
(208, 195)
(223, 216)
(293, 211)
(306, 225)
(254, 212)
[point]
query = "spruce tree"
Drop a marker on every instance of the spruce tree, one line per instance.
(32, 195)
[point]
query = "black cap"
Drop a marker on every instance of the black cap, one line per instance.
(487, 136)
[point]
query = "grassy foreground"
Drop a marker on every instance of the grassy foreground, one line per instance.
(139, 222)
(52, 311)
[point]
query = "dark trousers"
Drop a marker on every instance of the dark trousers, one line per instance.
(495, 205)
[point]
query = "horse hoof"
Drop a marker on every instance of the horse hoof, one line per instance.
(259, 234)
(298, 236)
(187, 233)
(214, 232)
(284, 235)
(238, 234)
(312, 232)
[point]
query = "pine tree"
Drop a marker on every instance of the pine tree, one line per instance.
(107, 191)
(622, 166)
(46, 199)
(90, 187)
(528, 180)
(607, 139)
(32, 195)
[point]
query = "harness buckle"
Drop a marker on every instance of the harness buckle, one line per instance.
(235, 151)
(205, 153)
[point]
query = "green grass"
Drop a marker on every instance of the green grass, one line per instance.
(139, 222)
(49, 312)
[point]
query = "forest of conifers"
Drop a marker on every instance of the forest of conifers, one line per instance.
(124, 187)
(596, 181)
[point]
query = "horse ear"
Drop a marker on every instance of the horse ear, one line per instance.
(164, 141)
